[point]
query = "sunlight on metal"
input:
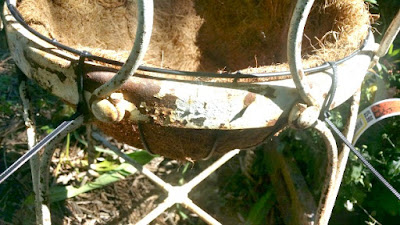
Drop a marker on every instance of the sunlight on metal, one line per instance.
(328, 196)
(295, 37)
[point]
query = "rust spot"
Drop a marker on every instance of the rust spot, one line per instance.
(140, 91)
(181, 143)
(136, 89)
(198, 121)
(300, 73)
(60, 75)
(271, 123)
(239, 114)
(248, 99)
(169, 101)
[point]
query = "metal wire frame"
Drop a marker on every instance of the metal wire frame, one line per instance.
(294, 41)
(323, 213)
(41, 210)
(345, 151)
(295, 38)
(40, 164)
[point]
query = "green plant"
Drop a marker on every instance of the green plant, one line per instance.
(110, 171)
(361, 193)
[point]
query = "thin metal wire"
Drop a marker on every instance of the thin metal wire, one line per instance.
(20, 161)
(361, 157)
(143, 138)
(214, 146)
(332, 91)
(325, 116)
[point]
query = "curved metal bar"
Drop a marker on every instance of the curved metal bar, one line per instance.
(389, 36)
(295, 37)
(344, 153)
(328, 196)
(142, 41)
(143, 138)
(212, 150)
(40, 209)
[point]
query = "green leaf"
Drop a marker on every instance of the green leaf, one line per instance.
(356, 174)
(394, 168)
(181, 212)
(395, 52)
(141, 157)
(118, 172)
(59, 193)
(371, 1)
(185, 168)
(47, 129)
(105, 166)
(260, 209)
(390, 50)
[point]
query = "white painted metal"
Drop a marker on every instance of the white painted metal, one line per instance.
(220, 106)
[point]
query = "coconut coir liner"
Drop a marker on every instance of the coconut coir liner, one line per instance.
(206, 35)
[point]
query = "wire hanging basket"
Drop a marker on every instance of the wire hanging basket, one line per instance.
(214, 77)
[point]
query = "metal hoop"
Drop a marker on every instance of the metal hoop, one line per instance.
(328, 194)
(295, 37)
(142, 41)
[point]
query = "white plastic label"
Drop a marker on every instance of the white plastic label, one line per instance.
(375, 113)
